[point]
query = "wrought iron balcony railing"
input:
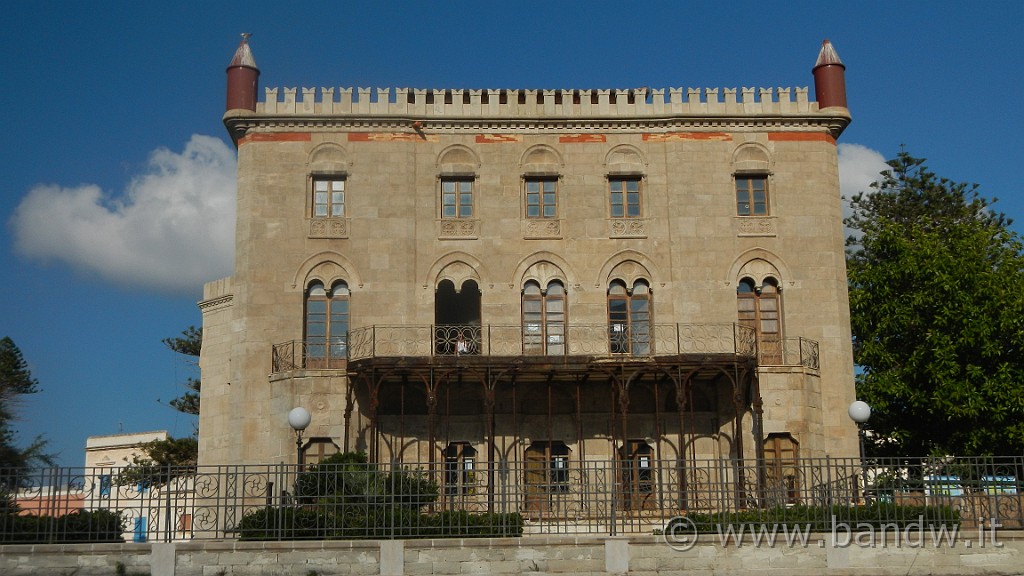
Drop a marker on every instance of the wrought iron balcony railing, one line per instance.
(788, 352)
(382, 341)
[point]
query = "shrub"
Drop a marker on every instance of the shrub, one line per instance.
(78, 526)
(338, 474)
(286, 523)
(346, 497)
(477, 525)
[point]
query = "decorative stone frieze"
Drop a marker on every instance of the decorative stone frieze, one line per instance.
(458, 229)
(548, 228)
(328, 227)
(755, 226)
(627, 227)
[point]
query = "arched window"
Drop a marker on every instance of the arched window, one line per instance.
(629, 318)
(760, 308)
(544, 318)
(326, 324)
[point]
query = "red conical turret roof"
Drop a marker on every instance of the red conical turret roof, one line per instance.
(243, 55)
(826, 56)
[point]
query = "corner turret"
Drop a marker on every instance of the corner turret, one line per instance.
(829, 78)
(242, 77)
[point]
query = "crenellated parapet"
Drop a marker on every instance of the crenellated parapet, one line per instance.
(535, 103)
(418, 110)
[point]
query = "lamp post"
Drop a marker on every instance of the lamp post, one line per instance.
(299, 419)
(860, 412)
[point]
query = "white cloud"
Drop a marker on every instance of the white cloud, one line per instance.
(171, 230)
(859, 166)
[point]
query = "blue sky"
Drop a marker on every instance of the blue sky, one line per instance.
(118, 174)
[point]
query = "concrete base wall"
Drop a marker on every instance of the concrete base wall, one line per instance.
(825, 554)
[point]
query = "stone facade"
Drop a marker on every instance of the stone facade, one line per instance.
(583, 274)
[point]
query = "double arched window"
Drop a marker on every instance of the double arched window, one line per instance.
(544, 318)
(326, 324)
(629, 318)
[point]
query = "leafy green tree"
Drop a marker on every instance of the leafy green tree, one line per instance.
(937, 312)
(188, 344)
(161, 461)
(16, 381)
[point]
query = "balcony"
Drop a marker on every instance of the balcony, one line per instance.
(788, 352)
(585, 341)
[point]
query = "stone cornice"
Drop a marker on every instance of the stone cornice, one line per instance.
(833, 122)
(216, 303)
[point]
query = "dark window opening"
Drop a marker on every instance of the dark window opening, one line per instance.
(459, 468)
(637, 474)
(457, 319)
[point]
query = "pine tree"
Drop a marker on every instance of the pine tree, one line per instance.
(16, 380)
(188, 344)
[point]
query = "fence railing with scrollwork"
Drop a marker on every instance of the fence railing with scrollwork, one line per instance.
(467, 497)
(623, 340)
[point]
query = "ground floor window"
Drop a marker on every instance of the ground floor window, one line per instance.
(781, 455)
(317, 449)
(636, 459)
(546, 471)
(459, 468)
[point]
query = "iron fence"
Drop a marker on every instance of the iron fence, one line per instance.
(466, 498)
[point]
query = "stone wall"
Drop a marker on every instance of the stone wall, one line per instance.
(976, 553)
